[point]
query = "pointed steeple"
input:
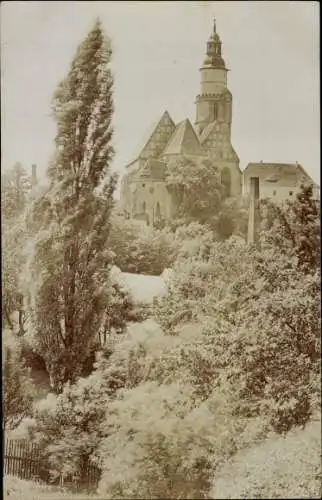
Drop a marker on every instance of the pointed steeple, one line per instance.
(213, 51)
(214, 26)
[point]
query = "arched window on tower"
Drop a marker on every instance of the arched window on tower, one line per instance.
(157, 211)
(144, 207)
(226, 181)
(214, 110)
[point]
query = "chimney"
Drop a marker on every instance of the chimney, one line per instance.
(33, 175)
(254, 216)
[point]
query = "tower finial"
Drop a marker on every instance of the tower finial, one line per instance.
(214, 25)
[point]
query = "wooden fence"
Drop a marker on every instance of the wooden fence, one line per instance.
(23, 459)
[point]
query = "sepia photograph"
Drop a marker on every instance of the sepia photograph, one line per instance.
(161, 250)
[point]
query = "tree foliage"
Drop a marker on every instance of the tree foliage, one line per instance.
(260, 312)
(17, 400)
(295, 229)
(140, 249)
(68, 279)
(196, 187)
(15, 197)
(66, 427)
(232, 219)
(15, 191)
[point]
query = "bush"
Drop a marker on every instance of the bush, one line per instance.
(66, 427)
(281, 467)
(140, 249)
(166, 448)
(261, 317)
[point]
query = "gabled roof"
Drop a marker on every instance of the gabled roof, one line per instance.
(282, 173)
(164, 121)
(183, 141)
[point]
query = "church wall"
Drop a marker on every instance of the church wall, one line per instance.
(220, 151)
(236, 176)
(150, 197)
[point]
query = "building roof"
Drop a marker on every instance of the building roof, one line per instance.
(288, 174)
(165, 120)
(142, 287)
(183, 141)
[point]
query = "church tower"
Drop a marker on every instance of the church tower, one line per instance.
(214, 103)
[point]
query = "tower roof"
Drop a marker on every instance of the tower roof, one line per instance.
(183, 141)
(213, 53)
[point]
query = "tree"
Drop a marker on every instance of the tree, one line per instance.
(196, 187)
(68, 279)
(232, 219)
(14, 240)
(258, 315)
(17, 401)
(15, 190)
(295, 228)
(140, 249)
(157, 412)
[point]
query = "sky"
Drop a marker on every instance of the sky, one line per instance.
(271, 49)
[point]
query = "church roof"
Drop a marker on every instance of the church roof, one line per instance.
(183, 141)
(288, 174)
(164, 121)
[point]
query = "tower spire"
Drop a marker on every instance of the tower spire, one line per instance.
(213, 50)
(214, 101)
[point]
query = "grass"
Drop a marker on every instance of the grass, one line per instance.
(20, 489)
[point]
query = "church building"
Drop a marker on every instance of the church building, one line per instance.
(144, 192)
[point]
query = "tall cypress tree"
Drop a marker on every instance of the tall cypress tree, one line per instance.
(69, 267)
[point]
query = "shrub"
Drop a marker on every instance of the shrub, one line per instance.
(281, 467)
(163, 449)
(66, 427)
(140, 249)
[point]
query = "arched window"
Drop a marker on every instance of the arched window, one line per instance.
(143, 207)
(214, 110)
(158, 211)
(226, 181)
